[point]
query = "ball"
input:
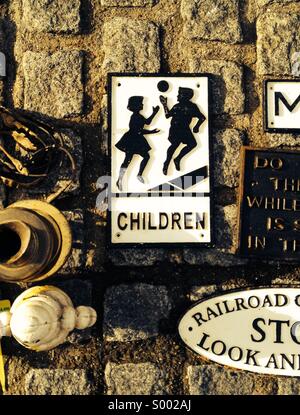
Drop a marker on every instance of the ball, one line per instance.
(163, 86)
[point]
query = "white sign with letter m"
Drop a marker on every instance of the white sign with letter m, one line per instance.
(282, 106)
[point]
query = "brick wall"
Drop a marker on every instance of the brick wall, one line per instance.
(58, 56)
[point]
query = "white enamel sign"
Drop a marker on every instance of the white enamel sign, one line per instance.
(160, 159)
(282, 105)
(256, 330)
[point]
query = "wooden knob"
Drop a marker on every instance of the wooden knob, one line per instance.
(42, 317)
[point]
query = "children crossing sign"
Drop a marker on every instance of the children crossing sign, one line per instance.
(159, 129)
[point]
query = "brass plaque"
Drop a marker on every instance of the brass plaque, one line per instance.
(270, 205)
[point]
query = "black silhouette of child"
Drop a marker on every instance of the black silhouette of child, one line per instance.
(180, 132)
(133, 141)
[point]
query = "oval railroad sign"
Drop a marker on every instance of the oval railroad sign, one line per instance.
(257, 330)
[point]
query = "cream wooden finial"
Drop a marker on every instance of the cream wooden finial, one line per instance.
(42, 317)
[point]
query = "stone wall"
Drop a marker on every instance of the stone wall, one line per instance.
(58, 55)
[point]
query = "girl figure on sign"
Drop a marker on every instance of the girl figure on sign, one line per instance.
(133, 141)
(180, 132)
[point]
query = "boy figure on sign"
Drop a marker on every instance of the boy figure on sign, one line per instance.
(180, 132)
(133, 141)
